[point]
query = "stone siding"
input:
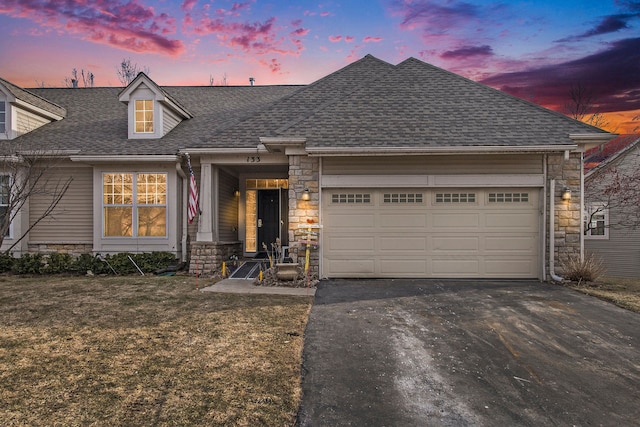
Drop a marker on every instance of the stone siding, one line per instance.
(207, 257)
(74, 249)
(304, 173)
(567, 219)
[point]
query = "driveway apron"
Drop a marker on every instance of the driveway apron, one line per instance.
(467, 353)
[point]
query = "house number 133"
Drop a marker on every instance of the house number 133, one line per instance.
(253, 159)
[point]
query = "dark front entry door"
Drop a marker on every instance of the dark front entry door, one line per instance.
(268, 217)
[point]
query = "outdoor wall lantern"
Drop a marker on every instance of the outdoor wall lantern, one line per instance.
(306, 195)
(566, 194)
(236, 192)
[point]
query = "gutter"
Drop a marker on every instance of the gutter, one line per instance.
(399, 151)
(552, 233)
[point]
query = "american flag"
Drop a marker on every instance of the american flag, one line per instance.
(193, 194)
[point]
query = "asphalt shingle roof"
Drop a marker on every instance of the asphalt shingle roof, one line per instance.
(33, 99)
(96, 123)
(420, 105)
(369, 103)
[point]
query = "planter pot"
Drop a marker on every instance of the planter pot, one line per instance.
(286, 271)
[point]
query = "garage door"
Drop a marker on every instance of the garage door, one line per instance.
(492, 233)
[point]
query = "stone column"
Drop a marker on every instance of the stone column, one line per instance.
(304, 174)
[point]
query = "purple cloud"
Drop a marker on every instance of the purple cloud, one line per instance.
(611, 74)
(126, 25)
(467, 52)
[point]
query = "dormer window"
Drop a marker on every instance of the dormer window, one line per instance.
(152, 112)
(144, 116)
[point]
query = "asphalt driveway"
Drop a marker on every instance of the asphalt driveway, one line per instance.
(468, 353)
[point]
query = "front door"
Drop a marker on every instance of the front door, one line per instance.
(268, 217)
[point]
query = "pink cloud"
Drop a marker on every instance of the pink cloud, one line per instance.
(370, 39)
(335, 39)
(188, 4)
(258, 38)
(274, 65)
(348, 39)
(129, 26)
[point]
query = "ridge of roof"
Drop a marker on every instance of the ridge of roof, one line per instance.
(33, 99)
(301, 102)
(419, 104)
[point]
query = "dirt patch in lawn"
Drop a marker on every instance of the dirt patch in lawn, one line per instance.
(146, 351)
(623, 292)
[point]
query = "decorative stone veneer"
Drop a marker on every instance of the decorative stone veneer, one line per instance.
(207, 257)
(568, 228)
(74, 249)
(304, 173)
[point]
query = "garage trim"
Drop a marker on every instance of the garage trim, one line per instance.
(400, 181)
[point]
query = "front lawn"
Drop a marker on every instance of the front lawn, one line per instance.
(146, 351)
(620, 291)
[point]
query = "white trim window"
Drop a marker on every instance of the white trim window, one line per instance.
(5, 194)
(143, 116)
(596, 221)
(3, 116)
(134, 204)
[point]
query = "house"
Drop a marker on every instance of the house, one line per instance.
(612, 191)
(403, 170)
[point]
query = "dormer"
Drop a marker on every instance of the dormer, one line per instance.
(22, 111)
(152, 112)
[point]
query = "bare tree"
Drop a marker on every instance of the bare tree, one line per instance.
(74, 81)
(616, 190)
(26, 175)
(222, 82)
(583, 106)
(128, 71)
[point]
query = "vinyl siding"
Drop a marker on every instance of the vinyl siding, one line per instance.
(72, 220)
(498, 164)
(26, 121)
(228, 207)
(169, 120)
(620, 253)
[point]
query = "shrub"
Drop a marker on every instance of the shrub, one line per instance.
(57, 263)
(28, 264)
(6, 262)
(587, 270)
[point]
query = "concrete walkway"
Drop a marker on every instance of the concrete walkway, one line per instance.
(241, 286)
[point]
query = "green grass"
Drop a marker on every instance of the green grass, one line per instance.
(146, 351)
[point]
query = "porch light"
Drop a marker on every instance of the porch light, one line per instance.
(566, 194)
(236, 192)
(306, 195)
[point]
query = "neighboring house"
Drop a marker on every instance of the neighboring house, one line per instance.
(409, 170)
(612, 192)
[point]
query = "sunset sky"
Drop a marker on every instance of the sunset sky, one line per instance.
(534, 49)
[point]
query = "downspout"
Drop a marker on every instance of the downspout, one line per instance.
(552, 234)
(185, 203)
(543, 231)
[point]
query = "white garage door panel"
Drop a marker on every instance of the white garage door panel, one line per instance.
(402, 243)
(457, 267)
(515, 220)
(403, 268)
(350, 243)
(393, 220)
(453, 220)
(447, 243)
(510, 244)
(355, 219)
(352, 267)
(431, 233)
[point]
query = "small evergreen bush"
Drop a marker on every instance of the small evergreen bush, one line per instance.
(6, 262)
(28, 264)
